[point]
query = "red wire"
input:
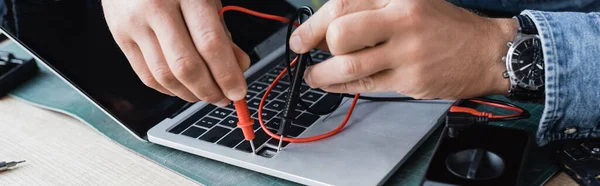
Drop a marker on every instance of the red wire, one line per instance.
(264, 98)
(255, 13)
(306, 139)
(487, 114)
(518, 110)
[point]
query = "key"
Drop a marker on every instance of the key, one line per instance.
(254, 103)
(266, 115)
(214, 134)
(220, 113)
(274, 124)
(270, 97)
(232, 139)
(306, 119)
(194, 132)
(257, 87)
(280, 87)
(276, 105)
(207, 122)
(294, 131)
(311, 96)
(229, 121)
(260, 138)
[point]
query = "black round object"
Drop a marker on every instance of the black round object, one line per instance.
(475, 164)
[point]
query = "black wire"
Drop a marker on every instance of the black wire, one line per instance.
(298, 16)
(389, 99)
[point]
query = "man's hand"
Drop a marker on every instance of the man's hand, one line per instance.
(420, 48)
(180, 48)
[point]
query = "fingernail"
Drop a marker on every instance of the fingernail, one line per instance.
(307, 78)
(223, 103)
(236, 94)
(296, 44)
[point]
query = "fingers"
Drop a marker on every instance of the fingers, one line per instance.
(211, 41)
(241, 56)
(136, 59)
(357, 31)
(184, 61)
(350, 67)
(313, 31)
(379, 82)
(157, 65)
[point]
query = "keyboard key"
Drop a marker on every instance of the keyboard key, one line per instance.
(194, 132)
(311, 96)
(294, 131)
(274, 124)
(254, 103)
(220, 113)
(245, 146)
(270, 97)
(257, 87)
(214, 134)
(266, 114)
(280, 87)
(260, 137)
(276, 105)
(191, 120)
(284, 79)
(274, 142)
(327, 102)
(229, 121)
(306, 119)
(232, 139)
(267, 79)
(283, 97)
(207, 122)
(256, 124)
(277, 69)
(303, 89)
(250, 95)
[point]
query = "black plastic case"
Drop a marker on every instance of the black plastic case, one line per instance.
(14, 71)
(510, 145)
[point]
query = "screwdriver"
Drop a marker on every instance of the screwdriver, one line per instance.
(245, 122)
(8, 165)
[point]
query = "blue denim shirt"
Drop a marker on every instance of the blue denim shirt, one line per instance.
(570, 36)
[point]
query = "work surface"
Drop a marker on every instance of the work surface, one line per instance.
(61, 150)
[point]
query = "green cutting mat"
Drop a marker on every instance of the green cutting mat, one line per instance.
(49, 91)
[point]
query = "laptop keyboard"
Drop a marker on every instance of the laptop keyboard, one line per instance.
(219, 125)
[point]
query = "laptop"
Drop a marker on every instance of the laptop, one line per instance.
(378, 138)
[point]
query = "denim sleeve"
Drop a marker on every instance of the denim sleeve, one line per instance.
(571, 45)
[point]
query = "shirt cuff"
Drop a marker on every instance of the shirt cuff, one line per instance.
(571, 46)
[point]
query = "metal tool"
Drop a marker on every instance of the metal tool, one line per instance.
(9, 165)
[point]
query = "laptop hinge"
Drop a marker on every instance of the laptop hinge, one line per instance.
(271, 44)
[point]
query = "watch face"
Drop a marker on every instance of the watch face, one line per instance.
(527, 63)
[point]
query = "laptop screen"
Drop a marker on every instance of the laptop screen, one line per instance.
(73, 38)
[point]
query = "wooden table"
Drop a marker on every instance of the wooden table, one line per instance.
(61, 150)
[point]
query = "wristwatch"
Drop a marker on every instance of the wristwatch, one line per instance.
(525, 64)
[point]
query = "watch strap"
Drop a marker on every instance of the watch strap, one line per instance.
(519, 94)
(526, 25)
